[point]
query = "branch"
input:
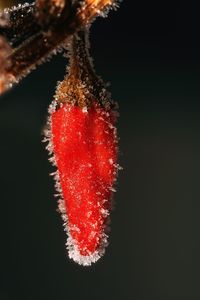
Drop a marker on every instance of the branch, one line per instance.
(35, 33)
(19, 23)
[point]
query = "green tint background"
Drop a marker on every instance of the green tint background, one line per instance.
(150, 54)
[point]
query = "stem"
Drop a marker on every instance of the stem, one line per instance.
(82, 86)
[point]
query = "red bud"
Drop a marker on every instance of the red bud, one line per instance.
(83, 139)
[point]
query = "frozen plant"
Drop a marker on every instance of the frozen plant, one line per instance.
(81, 134)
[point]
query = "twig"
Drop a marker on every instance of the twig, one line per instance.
(19, 23)
(35, 33)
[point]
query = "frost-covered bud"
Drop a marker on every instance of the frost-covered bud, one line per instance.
(83, 139)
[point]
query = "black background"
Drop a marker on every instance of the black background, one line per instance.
(149, 52)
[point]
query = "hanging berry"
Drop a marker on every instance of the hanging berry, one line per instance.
(83, 144)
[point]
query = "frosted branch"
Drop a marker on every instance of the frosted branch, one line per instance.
(34, 32)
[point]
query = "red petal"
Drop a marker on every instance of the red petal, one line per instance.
(85, 150)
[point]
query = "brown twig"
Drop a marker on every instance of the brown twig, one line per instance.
(46, 31)
(19, 23)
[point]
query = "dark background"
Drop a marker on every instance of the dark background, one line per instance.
(149, 52)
